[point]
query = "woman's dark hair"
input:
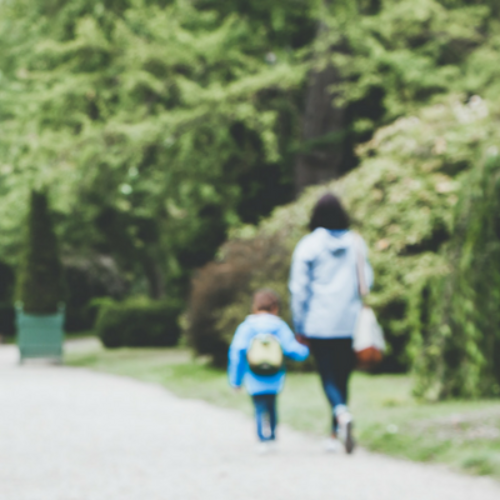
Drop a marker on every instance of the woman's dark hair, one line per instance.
(329, 213)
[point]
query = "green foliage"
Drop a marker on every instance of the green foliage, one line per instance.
(162, 125)
(146, 119)
(138, 322)
(401, 54)
(402, 200)
(459, 354)
(159, 125)
(39, 285)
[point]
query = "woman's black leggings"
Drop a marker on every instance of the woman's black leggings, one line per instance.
(335, 362)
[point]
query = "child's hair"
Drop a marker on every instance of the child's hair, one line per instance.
(265, 300)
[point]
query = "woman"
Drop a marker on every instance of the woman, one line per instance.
(326, 303)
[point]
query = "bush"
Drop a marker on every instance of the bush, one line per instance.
(39, 285)
(222, 292)
(459, 350)
(138, 323)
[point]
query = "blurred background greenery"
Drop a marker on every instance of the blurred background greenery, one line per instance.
(181, 145)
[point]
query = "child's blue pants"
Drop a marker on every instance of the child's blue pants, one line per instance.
(265, 412)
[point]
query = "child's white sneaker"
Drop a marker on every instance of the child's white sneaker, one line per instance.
(332, 445)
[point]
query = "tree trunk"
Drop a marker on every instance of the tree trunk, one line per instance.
(322, 131)
(154, 276)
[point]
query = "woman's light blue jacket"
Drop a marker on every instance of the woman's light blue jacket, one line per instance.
(324, 284)
(238, 370)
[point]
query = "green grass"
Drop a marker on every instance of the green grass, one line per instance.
(11, 339)
(80, 335)
(463, 434)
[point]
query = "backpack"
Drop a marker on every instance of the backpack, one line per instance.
(265, 355)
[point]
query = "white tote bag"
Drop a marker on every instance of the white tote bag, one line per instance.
(368, 342)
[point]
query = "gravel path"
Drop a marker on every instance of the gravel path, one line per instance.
(69, 434)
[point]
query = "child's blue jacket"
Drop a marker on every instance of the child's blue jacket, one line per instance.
(238, 370)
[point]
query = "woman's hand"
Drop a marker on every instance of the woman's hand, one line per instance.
(302, 339)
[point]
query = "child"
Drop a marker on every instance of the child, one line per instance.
(263, 387)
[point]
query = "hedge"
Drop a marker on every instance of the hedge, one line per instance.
(138, 322)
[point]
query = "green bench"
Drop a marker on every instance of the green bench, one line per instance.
(40, 336)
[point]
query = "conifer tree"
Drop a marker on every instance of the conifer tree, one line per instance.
(39, 283)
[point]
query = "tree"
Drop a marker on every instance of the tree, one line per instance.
(40, 277)
(7, 312)
(325, 151)
(158, 126)
(373, 62)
